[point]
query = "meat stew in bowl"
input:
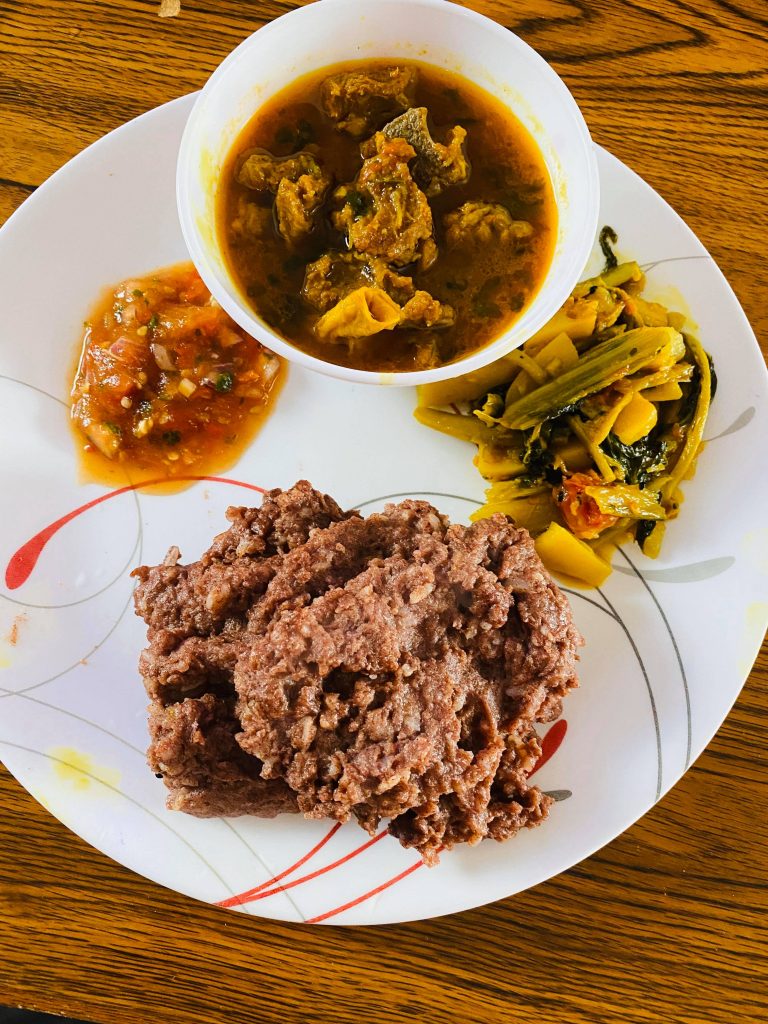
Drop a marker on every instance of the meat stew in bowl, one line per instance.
(387, 217)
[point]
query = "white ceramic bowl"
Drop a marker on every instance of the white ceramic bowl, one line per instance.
(432, 31)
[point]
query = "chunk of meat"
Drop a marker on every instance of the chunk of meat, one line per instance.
(263, 172)
(335, 274)
(424, 311)
(360, 101)
(437, 165)
(363, 312)
(384, 212)
(251, 220)
(481, 223)
(296, 205)
(298, 184)
(330, 279)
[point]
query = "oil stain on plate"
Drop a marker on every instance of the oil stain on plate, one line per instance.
(80, 771)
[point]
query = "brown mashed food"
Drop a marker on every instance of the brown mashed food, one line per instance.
(388, 668)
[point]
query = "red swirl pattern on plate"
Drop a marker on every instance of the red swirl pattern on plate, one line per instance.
(550, 744)
(249, 894)
(366, 895)
(261, 892)
(22, 562)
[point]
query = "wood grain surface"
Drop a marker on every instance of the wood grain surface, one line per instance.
(668, 923)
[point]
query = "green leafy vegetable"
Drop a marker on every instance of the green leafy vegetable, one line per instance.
(645, 528)
(626, 345)
(538, 459)
(626, 500)
(491, 408)
(613, 277)
(358, 203)
(483, 304)
(712, 377)
(466, 428)
(692, 393)
(598, 368)
(296, 137)
(641, 460)
(609, 238)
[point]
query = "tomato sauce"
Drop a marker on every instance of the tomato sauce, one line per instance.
(167, 385)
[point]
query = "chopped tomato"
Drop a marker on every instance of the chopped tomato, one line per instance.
(166, 379)
(580, 512)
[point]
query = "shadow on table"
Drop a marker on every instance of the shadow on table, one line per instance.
(11, 1016)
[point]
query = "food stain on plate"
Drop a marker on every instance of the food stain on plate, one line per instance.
(755, 547)
(80, 771)
(11, 638)
(755, 616)
(671, 297)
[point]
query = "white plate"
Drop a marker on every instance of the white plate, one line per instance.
(669, 643)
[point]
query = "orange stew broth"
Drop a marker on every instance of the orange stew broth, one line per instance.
(489, 288)
(167, 385)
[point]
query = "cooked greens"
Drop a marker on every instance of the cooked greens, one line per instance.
(586, 433)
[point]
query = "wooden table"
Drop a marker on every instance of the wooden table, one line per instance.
(665, 924)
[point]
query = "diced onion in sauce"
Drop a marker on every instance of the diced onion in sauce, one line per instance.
(167, 383)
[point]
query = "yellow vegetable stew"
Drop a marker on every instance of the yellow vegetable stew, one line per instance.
(586, 433)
